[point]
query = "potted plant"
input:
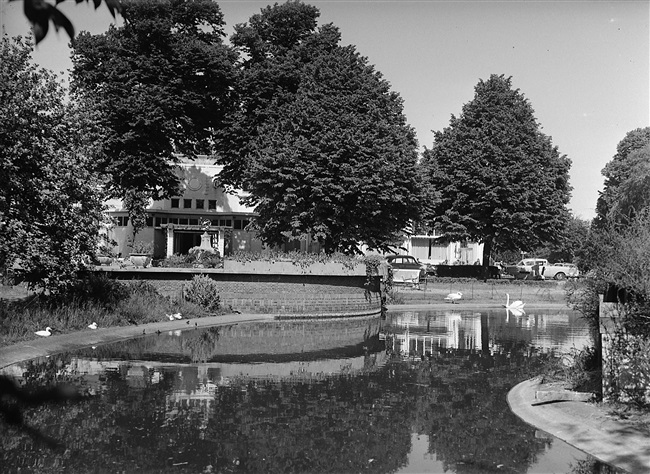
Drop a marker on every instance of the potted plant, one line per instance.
(104, 254)
(141, 254)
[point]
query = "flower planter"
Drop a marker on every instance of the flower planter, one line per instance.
(289, 268)
(140, 260)
(105, 260)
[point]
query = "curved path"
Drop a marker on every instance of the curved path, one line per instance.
(587, 426)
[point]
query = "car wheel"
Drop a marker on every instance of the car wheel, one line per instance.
(560, 276)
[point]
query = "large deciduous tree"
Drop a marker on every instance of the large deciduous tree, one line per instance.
(500, 179)
(320, 141)
(625, 175)
(163, 84)
(50, 203)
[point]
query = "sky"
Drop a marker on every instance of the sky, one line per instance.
(583, 65)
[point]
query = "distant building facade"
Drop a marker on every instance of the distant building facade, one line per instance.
(175, 225)
(431, 248)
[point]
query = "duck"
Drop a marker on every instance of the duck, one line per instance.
(454, 296)
(177, 315)
(92, 325)
(518, 304)
(45, 333)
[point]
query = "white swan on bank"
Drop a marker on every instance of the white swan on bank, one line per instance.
(453, 297)
(47, 332)
(93, 325)
(518, 304)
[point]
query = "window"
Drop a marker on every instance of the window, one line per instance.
(200, 204)
(194, 222)
(212, 204)
(149, 221)
(173, 220)
(241, 224)
(182, 221)
(122, 221)
(187, 204)
(175, 202)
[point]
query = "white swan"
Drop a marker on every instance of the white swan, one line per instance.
(454, 296)
(515, 311)
(93, 325)
(47, 332)
(518, 304)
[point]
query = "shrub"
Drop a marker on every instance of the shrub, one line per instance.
(93, 288)
(143, 288)
(203, 291)
(195, 258)
(199, 257)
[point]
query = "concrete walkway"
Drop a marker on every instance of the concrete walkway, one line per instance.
(587, 426)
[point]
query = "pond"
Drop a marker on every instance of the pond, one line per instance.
(418, 391)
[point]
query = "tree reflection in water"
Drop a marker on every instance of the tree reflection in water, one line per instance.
(170, 413)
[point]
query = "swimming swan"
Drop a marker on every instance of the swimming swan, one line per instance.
(515, 304)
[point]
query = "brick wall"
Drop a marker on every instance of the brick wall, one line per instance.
(290, 296)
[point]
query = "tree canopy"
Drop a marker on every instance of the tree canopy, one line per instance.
(50, 204)
(162, 84)
(500, 179)
(626, 179)
(319, 140)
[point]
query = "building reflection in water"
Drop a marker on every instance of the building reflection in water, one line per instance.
(419, 333)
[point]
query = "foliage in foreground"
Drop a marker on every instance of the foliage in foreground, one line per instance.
(50, 207)
(619, 254)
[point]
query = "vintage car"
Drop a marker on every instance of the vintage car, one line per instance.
(561, 271)
(406, 268)
(541, 269)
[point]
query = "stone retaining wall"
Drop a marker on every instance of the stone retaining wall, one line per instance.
(290, 295)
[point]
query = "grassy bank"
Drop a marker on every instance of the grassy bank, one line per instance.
(491, 293)
(111, 305)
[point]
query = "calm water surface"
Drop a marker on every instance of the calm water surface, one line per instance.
(419, 391)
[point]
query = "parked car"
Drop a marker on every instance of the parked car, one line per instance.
(406, 268)
(540, 268)
(561, 271)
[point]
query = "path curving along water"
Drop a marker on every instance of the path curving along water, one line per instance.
(585, 425)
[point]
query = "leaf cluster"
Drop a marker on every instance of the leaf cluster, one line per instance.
(40, 13)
